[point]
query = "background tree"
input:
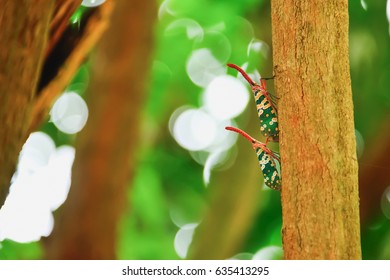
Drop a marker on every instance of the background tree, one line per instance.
(48, 57)
(24, 34)
(88, 225)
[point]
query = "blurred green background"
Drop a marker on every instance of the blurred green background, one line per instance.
(172, 192)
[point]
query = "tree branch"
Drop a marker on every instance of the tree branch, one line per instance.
(62, 12)
(96, 24)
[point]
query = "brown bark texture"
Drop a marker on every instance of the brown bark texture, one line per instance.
(23, 36)
(317, 144)
(86, 227)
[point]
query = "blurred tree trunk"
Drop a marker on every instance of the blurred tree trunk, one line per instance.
(374, 175)
(317, 144)
(87, 224)
(44, 29)
(23, 36)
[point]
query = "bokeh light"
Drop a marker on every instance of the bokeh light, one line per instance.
(224, 140)
(257, 48)
(364, 4)
(36, 152)
(194, 129)
(92, 3)
(22, 219)
(225, 97)
(179, 8)
(385, 203)
(202, 67)
(69, 113)
(388, 12)
(190, 27)
(200, 156)
(241, 26)
(58, 176)
(181, 218)
(213, 160)
(242, 256)
(203, 135)
(217, 43)
(164, 10)
(183, 239)
(269, 253)
(40, 185)
(359, 143)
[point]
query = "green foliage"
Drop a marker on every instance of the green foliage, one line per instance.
(370, 57)
(170, 85)
(10, 250)
(268, 224)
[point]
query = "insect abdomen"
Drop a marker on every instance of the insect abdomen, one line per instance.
(268, 167)
(267, 116)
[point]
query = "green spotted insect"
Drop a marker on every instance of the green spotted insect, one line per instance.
(266, 108)
(266, 159)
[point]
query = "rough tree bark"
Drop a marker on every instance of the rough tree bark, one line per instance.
(317, 144)
(23, 36)
(87, 224)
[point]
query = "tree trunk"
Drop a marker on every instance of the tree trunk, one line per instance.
(23, 36)
(317, 143)
(105, 152)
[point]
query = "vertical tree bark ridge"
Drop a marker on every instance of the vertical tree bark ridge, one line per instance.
(87, 224)
(23, 36)
(317, 144)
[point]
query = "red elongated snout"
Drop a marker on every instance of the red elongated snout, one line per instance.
(243, 73)
(255, 143)
(243, 133)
